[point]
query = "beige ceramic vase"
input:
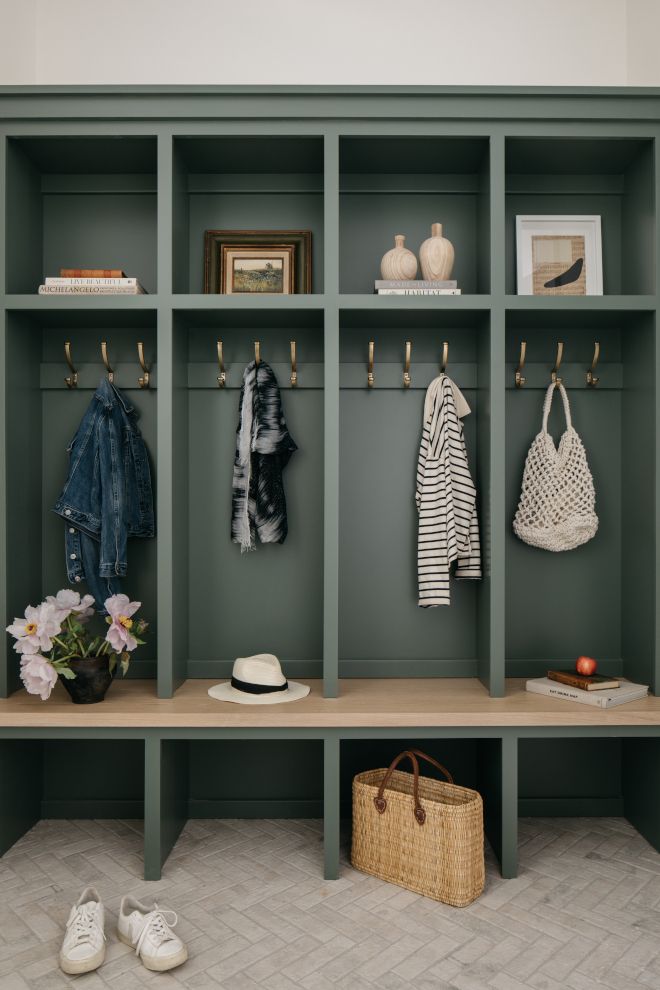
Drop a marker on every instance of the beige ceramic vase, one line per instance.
(399, 262)
(436, 256)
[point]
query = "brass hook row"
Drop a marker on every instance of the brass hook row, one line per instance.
(71, 381)
(591, 378)
(222, 377)
(407, 380)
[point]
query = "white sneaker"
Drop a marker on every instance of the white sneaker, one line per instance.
(83, 948)
(149, 932)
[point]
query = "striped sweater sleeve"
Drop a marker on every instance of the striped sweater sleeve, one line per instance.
(445, 495)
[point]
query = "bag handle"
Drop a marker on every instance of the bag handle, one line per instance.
(380, 801)
(548, 402)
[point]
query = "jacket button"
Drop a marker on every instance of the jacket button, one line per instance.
(78, 578)
(72, 556)
(67, 512)
(71, 529)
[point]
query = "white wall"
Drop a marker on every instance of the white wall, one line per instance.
(643, 42)
(459, 42)
(18, 48)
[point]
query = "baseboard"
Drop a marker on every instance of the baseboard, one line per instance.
(571, 807)
(408, 668)
(197, 808)
(565, 807)
(222, 669)
(72, 808)
(227, 808)
(539, 668)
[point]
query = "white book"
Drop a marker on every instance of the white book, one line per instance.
(58, 280)
(419, 292)
(90, 290)
(627, 691)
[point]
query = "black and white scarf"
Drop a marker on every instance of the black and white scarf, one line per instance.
(263, 448)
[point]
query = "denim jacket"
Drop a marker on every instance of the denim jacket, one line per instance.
(107, 496)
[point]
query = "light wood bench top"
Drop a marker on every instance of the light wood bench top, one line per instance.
(362, 703)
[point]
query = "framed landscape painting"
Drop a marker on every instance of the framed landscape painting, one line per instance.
(559, 256)
(248, 262)
(249, 270)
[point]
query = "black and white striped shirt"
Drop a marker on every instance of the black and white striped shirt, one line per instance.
(448, 528)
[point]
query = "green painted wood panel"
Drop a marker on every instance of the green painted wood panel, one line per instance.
(382, 630)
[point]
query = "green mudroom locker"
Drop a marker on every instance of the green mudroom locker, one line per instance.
(360, 381)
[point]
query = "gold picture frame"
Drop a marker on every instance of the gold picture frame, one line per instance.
(222, 248)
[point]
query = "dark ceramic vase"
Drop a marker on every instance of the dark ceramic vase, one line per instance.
(92, 680)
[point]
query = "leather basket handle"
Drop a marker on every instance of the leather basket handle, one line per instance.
(438, 766)
(380, 801)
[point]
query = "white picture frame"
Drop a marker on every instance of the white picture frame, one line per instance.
(543, 227)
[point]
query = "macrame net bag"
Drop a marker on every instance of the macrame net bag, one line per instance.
(557, 502)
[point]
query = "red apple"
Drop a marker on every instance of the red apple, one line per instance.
(586, 666)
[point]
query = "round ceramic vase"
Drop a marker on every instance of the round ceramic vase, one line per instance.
(399, 262)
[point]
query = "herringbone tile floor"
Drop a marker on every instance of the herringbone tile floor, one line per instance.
(583, 914)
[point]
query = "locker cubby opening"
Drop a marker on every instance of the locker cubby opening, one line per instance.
(80, 202)
(107, 784)
(589, 784)
(401, 185)
(473, 763)
(42, 418)
(269, 600)
(597, 599)
(382, 630)
(244, 182)
(592, 776)
(274, 778)
(609, 177)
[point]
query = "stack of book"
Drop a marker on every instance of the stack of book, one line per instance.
(91, 282)
(415, 287)
(602, 692)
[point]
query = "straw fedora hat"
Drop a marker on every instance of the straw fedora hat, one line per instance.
(258, 680)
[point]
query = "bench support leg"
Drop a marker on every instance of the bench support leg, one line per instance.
(331, 810)
(165, 800)
(498, 772)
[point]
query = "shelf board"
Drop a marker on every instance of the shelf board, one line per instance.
(388, 303)
(257, 301)
(382, 703)
(33, 301)
(581, 304)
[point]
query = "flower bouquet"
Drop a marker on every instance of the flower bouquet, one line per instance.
(56, 640)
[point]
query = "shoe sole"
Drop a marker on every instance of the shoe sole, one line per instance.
(157, 965)
(75, 967)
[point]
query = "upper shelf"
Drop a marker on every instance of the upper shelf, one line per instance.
(383, 703)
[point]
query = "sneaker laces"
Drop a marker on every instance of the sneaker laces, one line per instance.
(83, 922)
(158, 927)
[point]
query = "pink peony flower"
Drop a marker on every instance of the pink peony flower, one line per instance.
(67, 601)
(38, 675)
(120, 609)
(33, 633)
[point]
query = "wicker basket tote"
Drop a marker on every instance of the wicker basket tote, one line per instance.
(557, 502)
(423, 834)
